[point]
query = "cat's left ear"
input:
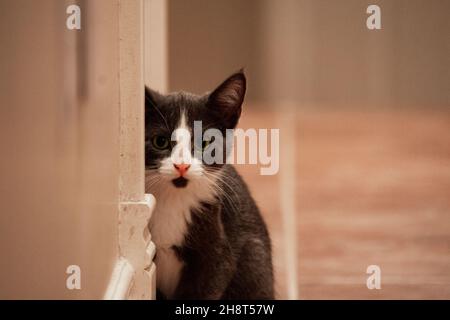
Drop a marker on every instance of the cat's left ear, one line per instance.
(227, 99)
(152, 97)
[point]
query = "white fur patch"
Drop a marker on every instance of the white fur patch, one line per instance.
(172, 214)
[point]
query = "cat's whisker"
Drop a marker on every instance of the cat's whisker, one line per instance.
(219, 176)
(224, 193)
(150, 182)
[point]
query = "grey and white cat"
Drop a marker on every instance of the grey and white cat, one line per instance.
(211, 240)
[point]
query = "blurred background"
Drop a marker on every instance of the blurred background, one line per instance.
(364, 119)
(59, 135)
(365, 133)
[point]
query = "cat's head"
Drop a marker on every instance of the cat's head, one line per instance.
(171, 152)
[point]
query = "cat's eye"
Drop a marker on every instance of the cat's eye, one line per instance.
(160, 142)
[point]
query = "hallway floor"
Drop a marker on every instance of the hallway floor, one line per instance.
(371, 188)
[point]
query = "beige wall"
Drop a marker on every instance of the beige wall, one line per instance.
(208, 40)
(59, 135)
(314, 52)
(156, 54)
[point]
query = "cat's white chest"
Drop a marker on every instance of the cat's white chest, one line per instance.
(169, 226)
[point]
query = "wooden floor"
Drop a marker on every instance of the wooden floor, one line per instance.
(371, 188)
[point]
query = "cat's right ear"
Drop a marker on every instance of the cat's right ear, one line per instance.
(227, 99)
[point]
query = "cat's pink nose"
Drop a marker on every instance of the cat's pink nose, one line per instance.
(182, 168)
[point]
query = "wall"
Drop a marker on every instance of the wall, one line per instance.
(318, 53)
(59, 134)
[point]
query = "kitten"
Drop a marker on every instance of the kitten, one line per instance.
(211, 240)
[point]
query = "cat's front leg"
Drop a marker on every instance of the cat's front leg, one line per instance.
(206, 275)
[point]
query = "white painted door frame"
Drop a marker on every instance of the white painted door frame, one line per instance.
(134, 273)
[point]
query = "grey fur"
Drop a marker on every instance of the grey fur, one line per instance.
(227, 250)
